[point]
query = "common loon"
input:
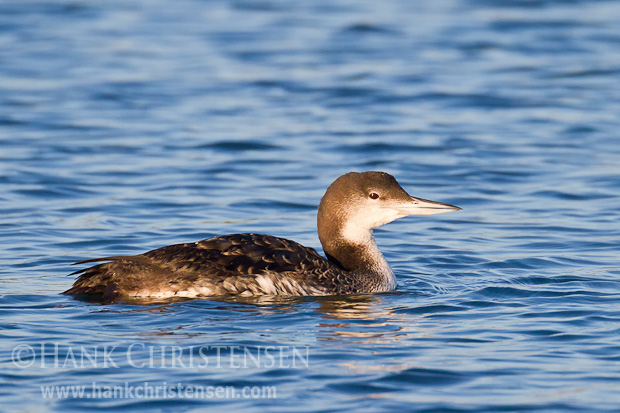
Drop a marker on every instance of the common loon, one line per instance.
(255, 264)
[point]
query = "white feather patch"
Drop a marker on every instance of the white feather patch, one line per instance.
(266, 284)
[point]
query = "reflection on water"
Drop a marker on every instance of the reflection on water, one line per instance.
(362, 307)
(366, 318)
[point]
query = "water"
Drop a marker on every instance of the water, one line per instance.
(129, 125)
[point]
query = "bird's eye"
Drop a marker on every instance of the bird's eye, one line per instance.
(374, 195)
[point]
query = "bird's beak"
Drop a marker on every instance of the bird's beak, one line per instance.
(419, 206)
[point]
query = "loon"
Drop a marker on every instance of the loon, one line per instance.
(255, 264)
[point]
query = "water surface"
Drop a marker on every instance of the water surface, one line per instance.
(128, 125)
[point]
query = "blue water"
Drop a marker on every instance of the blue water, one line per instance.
(130, 125)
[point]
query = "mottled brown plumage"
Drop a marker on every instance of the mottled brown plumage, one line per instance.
(255, 264)
(230, 262)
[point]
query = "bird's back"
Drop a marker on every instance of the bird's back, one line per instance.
(238, 264)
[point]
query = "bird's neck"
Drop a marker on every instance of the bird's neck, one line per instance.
(356, 251)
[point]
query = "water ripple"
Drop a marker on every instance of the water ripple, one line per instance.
(127, 126)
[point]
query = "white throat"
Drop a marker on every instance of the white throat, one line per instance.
(357, 235)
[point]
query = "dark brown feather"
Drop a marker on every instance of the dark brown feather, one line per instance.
(225, 264)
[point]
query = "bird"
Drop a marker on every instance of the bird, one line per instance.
(252, 264)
